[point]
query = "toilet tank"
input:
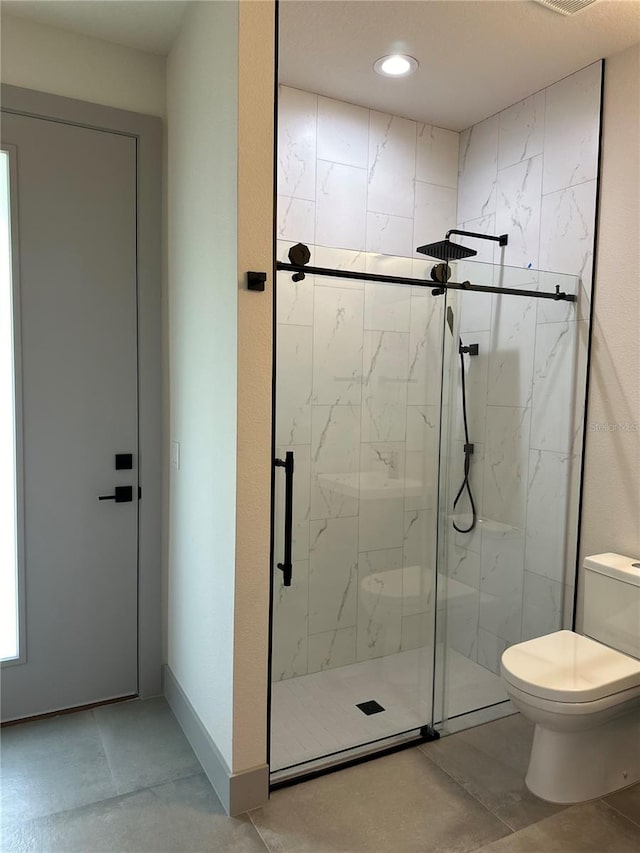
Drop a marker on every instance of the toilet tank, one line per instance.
(612, 601)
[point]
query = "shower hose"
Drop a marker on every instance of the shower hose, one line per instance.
(468, 451)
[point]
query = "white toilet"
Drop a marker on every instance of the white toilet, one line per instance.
(583, 692)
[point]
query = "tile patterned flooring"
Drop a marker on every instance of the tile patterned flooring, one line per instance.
(123, 779)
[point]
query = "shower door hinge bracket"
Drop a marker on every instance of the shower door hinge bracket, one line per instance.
(256, 280)
(428, 733)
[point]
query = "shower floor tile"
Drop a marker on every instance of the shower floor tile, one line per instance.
(316, 715)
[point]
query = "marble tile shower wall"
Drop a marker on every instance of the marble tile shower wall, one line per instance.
(357, 379)
(531, 172)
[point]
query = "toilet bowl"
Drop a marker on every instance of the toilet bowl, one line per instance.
(582, 694)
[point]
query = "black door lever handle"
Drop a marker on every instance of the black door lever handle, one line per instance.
(123, 495)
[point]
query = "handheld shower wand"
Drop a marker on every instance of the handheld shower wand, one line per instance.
(472, 349)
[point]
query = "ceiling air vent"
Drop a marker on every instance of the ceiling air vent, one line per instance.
(566, 7)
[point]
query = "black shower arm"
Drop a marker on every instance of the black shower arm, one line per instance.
(503, 239)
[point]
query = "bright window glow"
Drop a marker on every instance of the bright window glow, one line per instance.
(8, 509)
(396, 65)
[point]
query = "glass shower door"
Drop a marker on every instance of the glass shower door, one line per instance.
(503, 573)
(357, 404)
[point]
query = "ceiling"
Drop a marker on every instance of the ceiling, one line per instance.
(149, 25)
(476, 56)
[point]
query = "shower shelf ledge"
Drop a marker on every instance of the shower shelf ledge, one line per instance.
(489, 525)
(371, 485)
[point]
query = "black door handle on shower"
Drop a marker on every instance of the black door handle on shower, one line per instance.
(286, 567)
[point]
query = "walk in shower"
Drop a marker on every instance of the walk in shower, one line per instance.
(392, 622)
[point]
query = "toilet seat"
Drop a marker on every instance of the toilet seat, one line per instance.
(591, 711)
(569, 668)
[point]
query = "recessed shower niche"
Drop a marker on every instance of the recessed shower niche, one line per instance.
(389, 603)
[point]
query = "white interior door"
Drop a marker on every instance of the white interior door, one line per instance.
(76, 227)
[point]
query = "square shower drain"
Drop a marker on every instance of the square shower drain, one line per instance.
(370, 707)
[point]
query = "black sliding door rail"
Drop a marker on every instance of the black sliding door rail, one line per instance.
(437, 288)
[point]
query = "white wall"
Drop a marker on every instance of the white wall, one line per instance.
(220, 225)
(202, 119)
(611, 505)
(358, 179)
(60, 62)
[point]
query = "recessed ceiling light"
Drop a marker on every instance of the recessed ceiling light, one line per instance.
(566, 7)
(396, 65)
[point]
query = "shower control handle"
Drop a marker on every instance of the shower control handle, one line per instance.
(286, 567)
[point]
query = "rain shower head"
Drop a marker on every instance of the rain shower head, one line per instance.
(445, 250)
